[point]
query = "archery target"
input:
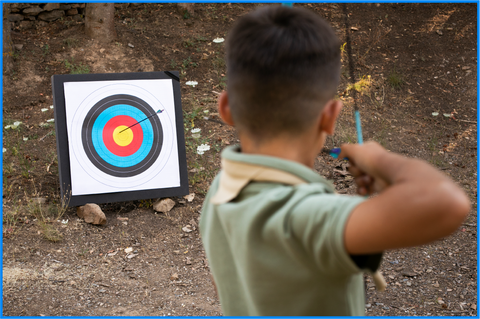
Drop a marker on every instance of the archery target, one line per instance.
(121, 135)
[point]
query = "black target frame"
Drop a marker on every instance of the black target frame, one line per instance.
(63, 152)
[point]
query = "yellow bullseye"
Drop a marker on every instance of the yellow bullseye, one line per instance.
(124, 138)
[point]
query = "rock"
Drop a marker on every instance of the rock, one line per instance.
(439, 32)
(59, 268)
(31, 18)
(72, 12)
(409, 274)
(174, 277)
(78, 17)
(188, 261)
(82, 5)
(92, 214)
(131, 45)
(51, 6)
(25, 25)
(41, 24)
(15, 17)
(18, 46)
(164, 205)
(187, 229)
(32, 11)
(65, 7)
(19, 6)
(51, 16)
(121, 5)
(189, 197)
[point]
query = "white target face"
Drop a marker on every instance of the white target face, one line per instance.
(121, 135)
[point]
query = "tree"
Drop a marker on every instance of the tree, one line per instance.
(7, 41)
(187, 10)
(99, 22)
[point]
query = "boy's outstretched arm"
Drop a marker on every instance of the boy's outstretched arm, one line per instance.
(416, 203)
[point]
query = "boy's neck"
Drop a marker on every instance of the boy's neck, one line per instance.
(302, 149)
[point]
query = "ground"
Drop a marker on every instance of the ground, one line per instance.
(416, 70)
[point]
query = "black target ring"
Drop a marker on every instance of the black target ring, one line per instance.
(151, 128)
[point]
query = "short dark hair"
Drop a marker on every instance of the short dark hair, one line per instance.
(283, 65)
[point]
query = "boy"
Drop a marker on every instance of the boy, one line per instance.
(278, 239)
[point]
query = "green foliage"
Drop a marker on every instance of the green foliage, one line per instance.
(47, 216)
(45, 50)
(189, 118)
(70, 42)
(76, 68)
(395, 79)
(223, 83)
(188, 62)
(219, 64)
(188, 43)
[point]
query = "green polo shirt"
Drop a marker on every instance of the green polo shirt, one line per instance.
(277, 249)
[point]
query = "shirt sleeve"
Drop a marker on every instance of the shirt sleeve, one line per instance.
(318, 223)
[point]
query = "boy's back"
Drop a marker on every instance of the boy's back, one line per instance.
(277, 249)
(278, 239)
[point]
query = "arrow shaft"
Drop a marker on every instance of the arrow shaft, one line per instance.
(159, 111)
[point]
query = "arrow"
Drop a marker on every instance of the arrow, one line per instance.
(159, 111)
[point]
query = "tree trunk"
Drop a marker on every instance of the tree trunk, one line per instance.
(7, 41)
(186, 10)
(99, 21)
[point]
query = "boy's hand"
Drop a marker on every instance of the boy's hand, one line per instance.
(363, 159)
(417, 203)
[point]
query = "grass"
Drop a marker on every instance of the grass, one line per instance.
(76, 68)
(188, 43)
(45, 50)
(223, 83)
(219, 64)
(395, 79)
(362, 85)
(11, 221)
(25, 166)
(190, 117)
(46, 216)
(22, 212)
(70, 42)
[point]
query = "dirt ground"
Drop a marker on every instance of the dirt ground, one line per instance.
(416, 65)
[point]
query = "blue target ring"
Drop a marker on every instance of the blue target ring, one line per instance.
(127, 106)
(105, 153)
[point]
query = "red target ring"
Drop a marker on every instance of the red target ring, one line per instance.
(112, 146)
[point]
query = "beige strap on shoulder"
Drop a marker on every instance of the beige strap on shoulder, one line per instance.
(236, 175)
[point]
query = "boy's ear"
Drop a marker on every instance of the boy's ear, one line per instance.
(224, 108)
(329, 116)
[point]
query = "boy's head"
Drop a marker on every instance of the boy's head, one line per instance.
(283, 65)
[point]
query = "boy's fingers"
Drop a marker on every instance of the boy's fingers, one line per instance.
(346, 150)
(364, 184)
(354, 171)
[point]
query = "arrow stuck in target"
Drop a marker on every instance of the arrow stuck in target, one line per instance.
(159, 111)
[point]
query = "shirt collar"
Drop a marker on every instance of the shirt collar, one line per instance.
(239, 169)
